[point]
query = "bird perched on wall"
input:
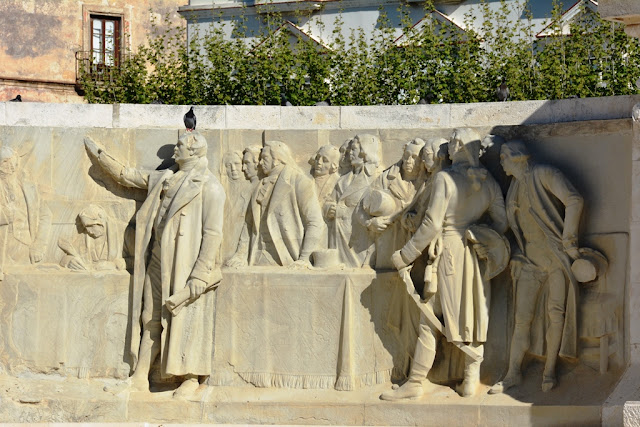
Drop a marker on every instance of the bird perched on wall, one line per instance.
(190, 120)
(16, 99)
(502, 92)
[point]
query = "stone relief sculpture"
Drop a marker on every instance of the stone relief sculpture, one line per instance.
(383, 204)
(346, 233)
(284, 221)
(324, 169)
(251, 163)
(457, 305)
(235, 206)
(547, 243)
(25, 217)
(97, 247)
(178, 236)
(344, 166)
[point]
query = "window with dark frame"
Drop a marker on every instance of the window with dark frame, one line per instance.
(105, 40)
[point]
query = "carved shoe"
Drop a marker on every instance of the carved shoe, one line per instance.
(408, 390)
(186, 389)
(505, 384)
(548, 382)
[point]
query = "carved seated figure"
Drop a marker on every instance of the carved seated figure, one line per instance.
(383, 204)
(97, 247)
(346, 233)
(547, 243)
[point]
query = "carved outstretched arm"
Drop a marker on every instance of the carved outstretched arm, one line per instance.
(128, 177)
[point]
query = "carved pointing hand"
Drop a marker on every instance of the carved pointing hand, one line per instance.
(92, 147)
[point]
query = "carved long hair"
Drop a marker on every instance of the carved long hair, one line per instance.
(471, 146)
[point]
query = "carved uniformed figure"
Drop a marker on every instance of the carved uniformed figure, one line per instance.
(460, 196)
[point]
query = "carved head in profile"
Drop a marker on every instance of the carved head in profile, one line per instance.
(514, 158)
(326, 161)
(345, 158)
(411, 158)
(365, 149)
(233, 164)
(190, 147)
(250, 161)
(93, 220)
(8, 161)
(273, 154)
(464, 146)
(434, 154)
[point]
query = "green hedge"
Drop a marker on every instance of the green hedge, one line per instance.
(437, 64)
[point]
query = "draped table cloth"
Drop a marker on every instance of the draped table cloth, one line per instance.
(277, 327)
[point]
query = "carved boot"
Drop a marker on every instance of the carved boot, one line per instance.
(187, 388)
(412, 388)
(471, 381)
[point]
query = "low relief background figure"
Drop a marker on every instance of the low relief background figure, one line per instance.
(382, 205)
(544, 211)
(344, 166)
(25, 217)
(324, 169)
(178, 236)
(97, 247)
(239, 191)
(284, 221)
(460, 197)
(347, 234)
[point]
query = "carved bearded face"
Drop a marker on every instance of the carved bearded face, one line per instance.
(95, 230)
(354, 152)
(249, 166)
(233, 166)
(428, 158)
(411, 158)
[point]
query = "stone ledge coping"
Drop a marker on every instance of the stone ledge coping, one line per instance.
(146, 116)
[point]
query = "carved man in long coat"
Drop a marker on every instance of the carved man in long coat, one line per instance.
(346, 233)
(543, 210)
(284, 222)
(178, 235)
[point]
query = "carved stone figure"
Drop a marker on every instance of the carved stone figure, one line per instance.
(178, 235)
(235, 209)
(547, 242)
(26, 218)
(347, 234)
(324, 168)
(98, 246)
(345, 160)
(251, 163)
(460, 196)
(284, 221)
(383, 204)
